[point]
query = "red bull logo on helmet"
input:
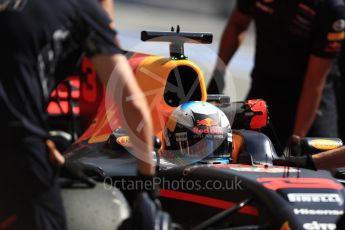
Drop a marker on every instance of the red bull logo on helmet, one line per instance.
(208, 130)
(207, 122)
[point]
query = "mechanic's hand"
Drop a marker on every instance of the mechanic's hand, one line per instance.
(147, 184)
(294, 146)
(117, 41)
(146, 215)
(217, 82)
(147, 211)
(152, 189)
(81, 172)
(55, 157)
(305, 161)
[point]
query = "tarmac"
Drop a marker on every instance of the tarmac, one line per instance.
(132, 18)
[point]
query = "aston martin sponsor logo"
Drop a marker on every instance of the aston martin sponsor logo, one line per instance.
(314, 225)
(314, 197)
(318, 212)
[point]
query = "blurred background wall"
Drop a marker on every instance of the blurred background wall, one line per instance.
(220, 8)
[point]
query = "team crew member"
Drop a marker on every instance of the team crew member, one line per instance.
(326, 160)
(296, 42)
(91, 88)
(108, 6)
(341, 94)
(36, 37)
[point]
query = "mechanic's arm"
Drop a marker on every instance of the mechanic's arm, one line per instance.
(330, 159)
(135, 112)
(233, 36)
(108, 6)
(316, 75)
(325, 47)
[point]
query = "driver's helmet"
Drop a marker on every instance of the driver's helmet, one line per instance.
(197, 131)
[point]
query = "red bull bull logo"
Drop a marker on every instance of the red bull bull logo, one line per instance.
(207, 122)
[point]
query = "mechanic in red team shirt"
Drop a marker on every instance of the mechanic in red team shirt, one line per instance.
(296, 44)
(38, 40)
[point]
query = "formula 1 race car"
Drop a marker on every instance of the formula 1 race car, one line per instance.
(244, 191)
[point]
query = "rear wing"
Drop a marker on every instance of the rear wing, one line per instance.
(177, 40)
